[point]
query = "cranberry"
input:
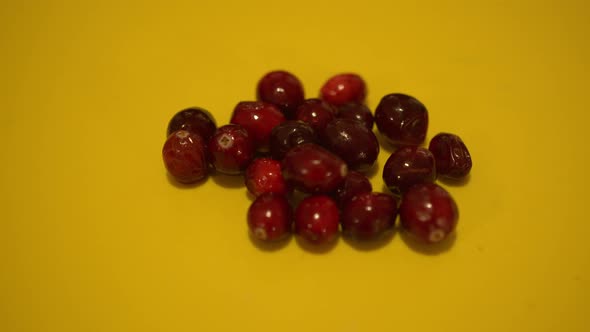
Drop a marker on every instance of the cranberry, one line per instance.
(315, 112)
(368, 215)
(316, 219)
(231, 149)
(264, 175)
(402, 119)
(184, 155)
(258, 118)
(428, 212)
(407, 166)
(194, 119)
(289, 134)
(356, 111)
(453, 160)
(353, 142)
(270, 217)
(354, 183)
(282, 89)
(344, 88)
(313, 169)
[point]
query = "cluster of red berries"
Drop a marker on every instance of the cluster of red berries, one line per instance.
(322, 147)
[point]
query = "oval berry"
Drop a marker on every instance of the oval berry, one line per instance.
(258, 118)
(264, 175)
(317, 219)
(402, 119)
(368, 215)
(269, 217)
(357, 111)
(344, 88)
(231, 149)
(407, 166)
(282, 89)
(184, 155)
(352, 142)
(316, 113)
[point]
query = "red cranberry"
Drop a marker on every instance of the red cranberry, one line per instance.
(344, 88)
(313, 169)
(368, 215)
(428, 212)
(356, 111)
(402, 119)
(258, 118)
(195, 120)
(354, 183)
(270, 217)
(316, 219)
(453, 160)
(282, 89)
(353, 142)
(231, 149)
(316, 113)
(184, 155)
(407, 166)
(264, 175)
(289, 134)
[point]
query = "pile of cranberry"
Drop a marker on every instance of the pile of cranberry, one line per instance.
(284, 144)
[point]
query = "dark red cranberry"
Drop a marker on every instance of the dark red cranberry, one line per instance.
(264, 175)
(344, 88)
(402, 119)
(428, 212)
(356, 111)
(353, 142)
(317, 219)
(368, 215)
(289, 134)
(313, 169)
(231, 149)
(354, 183)
(184, 155)
(258, 118)
(316, 113)
(195, 120)
(270, 217)
(453, 160)
(282, 89)
(407, 166)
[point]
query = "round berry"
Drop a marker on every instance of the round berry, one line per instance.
(402, 119)
(196, 120)
(270, 217)
(289, 134)
(453, 160)
(184, 155)
(282, 89)
(354, 183)
(317, 219)
(357, 111)
(258, 118)
(264, 175)
(316, 113)
(353, 142)
(231, 149)
(344, 88)
(368, 215)
(428, 212)
(407, 166)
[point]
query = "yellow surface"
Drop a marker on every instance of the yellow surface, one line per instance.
(94, 237)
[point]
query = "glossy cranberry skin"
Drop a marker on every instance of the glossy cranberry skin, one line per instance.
(453, 160)
(258, 118)
(264, 175)
(196, 120)
(313, 169)
(316, 113)
(402, 119)
(354, 183)
(231, 149)
(282, 89)
(317, 219)
(368, 215)
(353, 142)
(358, 112)
(428, 212)
(344, 88)
(290, 134)
(407, 166)
(270, 217)
(184, 155)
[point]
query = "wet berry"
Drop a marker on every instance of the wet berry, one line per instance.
(368, 215)
(317, 219)
(258, 118)
(352, 142)
(270, 217)
(231, 149)
(344, 88)
(184, 155)
(453, 160)
(289, 134)
(407, 166)
(282, 89)
(402, 119)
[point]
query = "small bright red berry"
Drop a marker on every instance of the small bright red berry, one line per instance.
(354, 183)
(184, 155)
(288, 135)
(368, 215)
(270, 217)
(453, 160)
(357, 111)
(282, 89)
(231, 149)
(264, 175)
(317, 219)
(316, 113)
(258, 118)
(428, 212)
(352, 142)
(313, 169)
(196, 120)
(407, 166)
(402, 119)
(344, 88)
